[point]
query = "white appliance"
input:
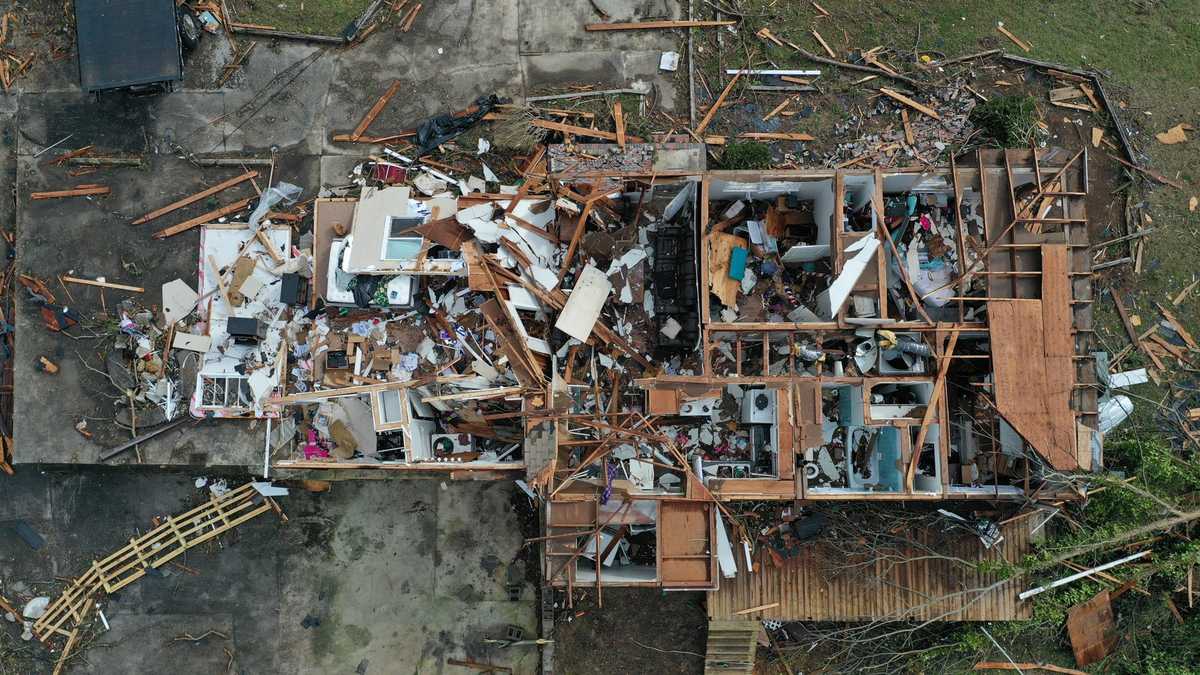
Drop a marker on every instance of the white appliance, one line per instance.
(699, 408)
(449, 443)
(337, 280)
(758, 406)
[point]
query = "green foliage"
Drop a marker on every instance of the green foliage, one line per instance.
(1008, 121)
(1155, 464)
(741, 155)
(1051, 607)
(1001, 568)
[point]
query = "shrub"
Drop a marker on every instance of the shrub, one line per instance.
(746, 155)
(1008, 121)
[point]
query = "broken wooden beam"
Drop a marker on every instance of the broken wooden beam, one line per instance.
(919, 107)
(776, 136)
(375, 110)
(103, 284)
(574, 130)
(650, 25)
(80, 191)
(712, 110)
(1178, 327)
(202, 219)
(1015, 40)
(376, 140)
(224, 185)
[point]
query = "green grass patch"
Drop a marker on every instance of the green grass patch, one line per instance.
(314, 17)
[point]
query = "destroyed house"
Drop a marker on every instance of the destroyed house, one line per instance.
(911, 335)
(641, 342)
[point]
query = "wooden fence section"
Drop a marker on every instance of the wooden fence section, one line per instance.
(817, 585)
(153, 549)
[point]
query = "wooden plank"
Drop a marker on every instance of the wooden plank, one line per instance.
(1183, 332)
(1125, 320)
(939, 389)
(908, 130)
(776, 136)
(619, 123)
(808, 587)
(757, 608)
(824, 45)
(219, 187)
(375, 110)
(209, 217)
(919, 107)
(1015, 40)
(1032, 390)
(574, 130)
(1056, 301)
(103, 284)
(651, 25)
(712, 110)
(81, 191)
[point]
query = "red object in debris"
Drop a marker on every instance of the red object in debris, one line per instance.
(389, 173)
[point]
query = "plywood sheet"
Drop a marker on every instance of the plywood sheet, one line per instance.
(1032, 389)
(1092, 629)
(1056, 301)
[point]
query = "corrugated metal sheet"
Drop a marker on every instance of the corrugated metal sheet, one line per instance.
(818, 585)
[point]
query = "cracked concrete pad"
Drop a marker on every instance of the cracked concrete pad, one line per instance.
(185, 118)
(552, 72)
(288, 111)
(551, 27)
(360, 562)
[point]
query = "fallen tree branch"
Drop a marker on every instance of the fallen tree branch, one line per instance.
(767, 35)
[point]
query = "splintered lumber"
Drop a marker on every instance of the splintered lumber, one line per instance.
(909, 102)
(81, 191)
(1183, 295)
(347, 138)
(619, 123)
(206, 218)
(71, 155)
(649, 25)
(1015, 40)
(759, 608)
(824, 45)
(1183, 333)
(152, 550)
(779, 108)
(939, 389)
(174, 206)
(1006, 665)
(104, 284)
(776, 136)
(574, 130)
(716, 106)
(375, 110)
(908, 130)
